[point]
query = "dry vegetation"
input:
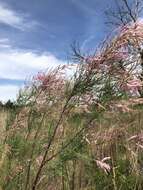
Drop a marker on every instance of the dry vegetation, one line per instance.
(3, 116)
(83, 132)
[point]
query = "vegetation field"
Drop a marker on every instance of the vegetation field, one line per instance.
(92, 149)
(80, 126)
(3, 116)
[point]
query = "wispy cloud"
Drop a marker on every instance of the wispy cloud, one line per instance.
(84, 7)
(86, 41)
(4, 43)
(14, 19)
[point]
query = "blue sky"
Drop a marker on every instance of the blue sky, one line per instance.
(37, 34)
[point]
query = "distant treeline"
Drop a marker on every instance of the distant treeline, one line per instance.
(8, 105)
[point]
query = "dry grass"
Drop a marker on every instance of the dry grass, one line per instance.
(3, 117)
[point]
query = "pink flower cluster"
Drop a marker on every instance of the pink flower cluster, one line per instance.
(52, 81)
(40, 76)
(133, 86)
(132, 32)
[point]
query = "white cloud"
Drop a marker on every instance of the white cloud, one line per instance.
(16, 64)
(8, 92)
(21, 65)
(14, 19)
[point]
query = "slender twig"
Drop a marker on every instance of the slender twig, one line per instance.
(49, 145)
(32, 152)
(70, 141)
(129, 10)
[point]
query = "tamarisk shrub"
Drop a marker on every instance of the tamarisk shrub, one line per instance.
(65, 131)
